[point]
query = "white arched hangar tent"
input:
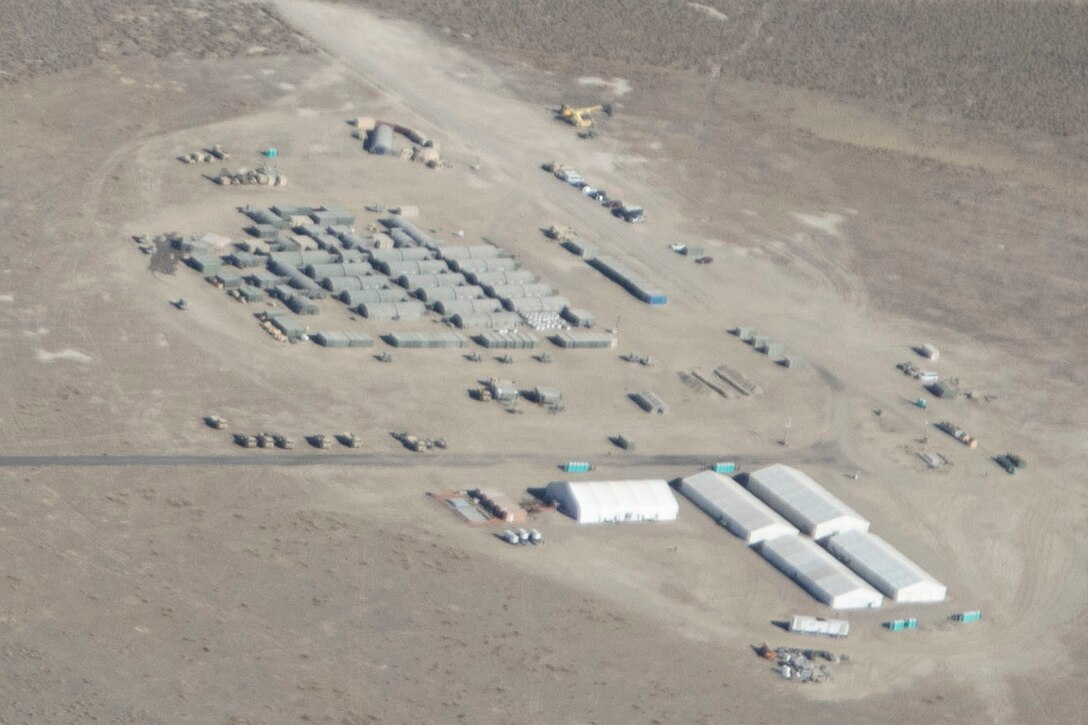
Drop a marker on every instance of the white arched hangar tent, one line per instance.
(594, 502)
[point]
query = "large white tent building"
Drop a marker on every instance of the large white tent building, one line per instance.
(803, 502)
(592, 502)
(821, 574)
(885, 567)
(728, 503)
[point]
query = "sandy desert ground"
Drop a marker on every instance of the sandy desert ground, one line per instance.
(158, 574)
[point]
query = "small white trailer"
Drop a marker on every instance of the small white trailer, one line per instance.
(818, 625)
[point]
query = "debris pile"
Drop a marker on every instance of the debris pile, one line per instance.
(268, 326)
(644, 360)
(800, 665)
(560, 233)
(261, 176)
(205, 156)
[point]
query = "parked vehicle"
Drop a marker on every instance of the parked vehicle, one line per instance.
(1010, 462)
(630, 214)
(215, 421)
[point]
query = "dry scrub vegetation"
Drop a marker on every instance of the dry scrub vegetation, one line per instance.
(569, 34)
(1022, 64)
(43, 37)
(1013, 62)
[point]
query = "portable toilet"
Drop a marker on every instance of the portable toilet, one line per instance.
(972, 616)
(899, 625)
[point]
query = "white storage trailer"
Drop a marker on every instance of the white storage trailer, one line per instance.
(594, 502)
(818, 625)
(822, 575)
(728, 503)
(804, 502)
(886, 568)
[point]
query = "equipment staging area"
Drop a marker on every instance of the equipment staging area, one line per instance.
(226, 582)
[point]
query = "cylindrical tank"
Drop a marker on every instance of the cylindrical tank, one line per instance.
(410, 310)
(360, 297)
(400, 254)
(516, 291)
(467, 307)
(336, 285)
(479, 251)
(432, 295)
(381, 140)
(350, 269)
(411, 266)
(415, 281)
(402, 239)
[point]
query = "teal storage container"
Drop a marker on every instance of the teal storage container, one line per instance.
(973, 616)
(899, 625)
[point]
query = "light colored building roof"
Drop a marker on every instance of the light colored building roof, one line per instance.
(614, 501)
(728, 503)
(804, 502)
(214, 240)
(821, 574)
(885, 567)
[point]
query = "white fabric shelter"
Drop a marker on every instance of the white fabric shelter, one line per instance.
(806, 504)
(821, 574)
(592, 502)
(728, 503)
(883, 566)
